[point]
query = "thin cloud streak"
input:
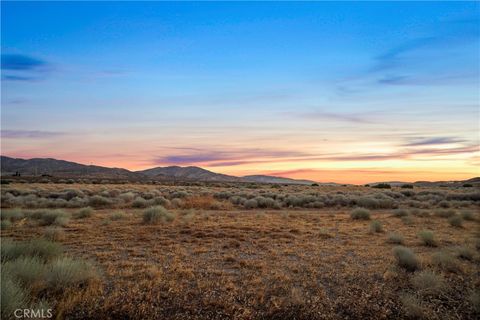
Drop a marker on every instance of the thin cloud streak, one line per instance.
(30, 134)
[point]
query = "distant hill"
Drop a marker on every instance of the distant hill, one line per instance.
(187, 173)
(273, 179)
(67, 169)
(54, 167)
(473, 181)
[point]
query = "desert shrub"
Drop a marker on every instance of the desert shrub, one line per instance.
(382, 186)
(206, 202)
(29, 271)
(400, 213)
(406, 258)
(395, 238)
(444, 204)
(179, 194)
(13, 296)
(40, 248)
(406, 186)
(467, 185)
(427, 238)
(250, 204)
(5, 224)
(467, 215)
(83, 213)
(54, 234)
(412, 306)
(428, 283)
(407, 193)
(12, 215)
(157, 214)
(445, 213)
(127, 197)
(360, 214)
(379, 201)
(376, 226)
(474, 299)
(176, 203)
(67, 272)
(50, 217)
(464, 253)
(263, 202)
(456, 221)
(76, 203)
(117, 216)
(420, 213)
(407, 220)
(445, 261)
(98, 201)
(161, 201)
(139, 203)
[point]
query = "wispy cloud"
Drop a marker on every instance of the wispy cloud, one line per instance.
(433, 141)
(418, 61)
(21, 62)
(31, 134)
(230, 157)
(18, 67)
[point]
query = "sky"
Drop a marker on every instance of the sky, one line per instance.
(326, 91)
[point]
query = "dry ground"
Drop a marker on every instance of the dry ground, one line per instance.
(259, 264)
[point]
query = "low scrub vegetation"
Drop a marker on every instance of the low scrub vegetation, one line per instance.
(35, 271)
(427, 238)
(156, 215)
(456, 221)
(428, 283)
(360, 214)
(376, 226)
(406, 259)
(445, 261)
(395, 238)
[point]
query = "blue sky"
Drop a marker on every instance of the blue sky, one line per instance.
(245, 88)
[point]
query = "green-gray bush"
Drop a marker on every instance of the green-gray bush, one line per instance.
(41, 248)
(428, 283)
(157, 214)
(66, 272)
(395, 238)
(445, 261)
(98, 201)
(250, 204)
(13, 296)
(467, 215)
(427, 238)
(117, 216)
(5, 224)
(406, 258)
(400, 213)
(139, 202)
(376, 226)
(54, 234)
(83, 213)
(11, 214)
(465, 253)
(456, 221)
(360, 214)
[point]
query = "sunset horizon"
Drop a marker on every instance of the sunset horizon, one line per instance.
(314, 91)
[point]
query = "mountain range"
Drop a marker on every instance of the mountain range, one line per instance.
(67, 169)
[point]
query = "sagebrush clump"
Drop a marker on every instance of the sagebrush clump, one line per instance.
(406, 258)
(360, 214)
(157, 214)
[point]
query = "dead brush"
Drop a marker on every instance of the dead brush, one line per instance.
(206, 202)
